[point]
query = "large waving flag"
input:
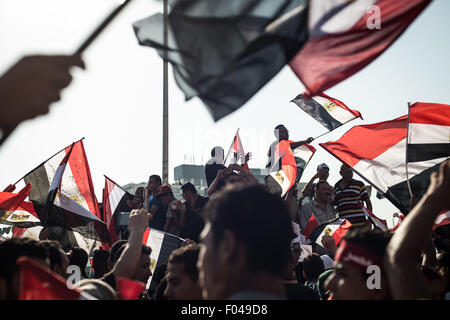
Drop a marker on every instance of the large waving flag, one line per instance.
(115, 199)
(162, 245)
(377, 152)
(428, 132)
(293, 163)
(224, 51)
(328, 111)
(76, 184)
(345, 36)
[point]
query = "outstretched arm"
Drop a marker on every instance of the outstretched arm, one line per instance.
(409, 239)
(300, 143)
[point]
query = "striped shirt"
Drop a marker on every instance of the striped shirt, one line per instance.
(349, 200)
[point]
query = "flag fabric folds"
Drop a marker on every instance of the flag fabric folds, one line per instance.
(224, 51)
(345, 36)
(329, 112)
(10, 201)
(310, 226)
(63, 191)
(336, 228)
(378, 222)
(293, 163)
(428, 132)
(39, 283)
(377, 152)
(162, 245)
(236, 153)
(115, 199)
(24, 216)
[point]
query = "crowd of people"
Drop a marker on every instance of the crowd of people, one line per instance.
(240, 243)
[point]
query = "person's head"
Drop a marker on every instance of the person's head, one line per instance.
(231, 178)
(100, 263)
(346, 172)
(59, 262)
(135, 201)
(10, 251)
(78, 257)
(247, 234)
(188, 191)
(154, 182)
(142, 271)
(182, 274)
(324, 171)
(164, 193)
(113, 253)
(218, 153)
(322, 191)
(97, 289)
(313, 267)
(281, 132)
(357, 252)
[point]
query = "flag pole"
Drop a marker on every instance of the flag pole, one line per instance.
(336, 128)
(165, 161)
(406, 154)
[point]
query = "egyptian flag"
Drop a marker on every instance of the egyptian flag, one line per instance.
(310, 226)
(10, 201)
(236, 153)
(39, 283)
(114, 201)
(24, 216)
(329, 112)
(379, 223)
(428, 132)
(62, 211)
(293, 163)
(162, 245)
(336, 228)
(345, 36)
(442, 219)
(377, 152)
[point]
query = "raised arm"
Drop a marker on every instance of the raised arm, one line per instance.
(300, 143)
(405, 280)
(129, 259)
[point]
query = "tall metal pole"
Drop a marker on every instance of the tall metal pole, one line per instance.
(165, 164)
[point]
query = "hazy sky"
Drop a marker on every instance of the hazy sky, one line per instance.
(116, 104)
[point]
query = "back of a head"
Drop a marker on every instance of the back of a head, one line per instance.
(217, 151)
(97, 289)
(79, 257)
(100, 259)
(259, 220)
(189, 187)
(313, 267)
(188, 255)
(53, 247)
(114, 248)
(14, 248)
(375, 241)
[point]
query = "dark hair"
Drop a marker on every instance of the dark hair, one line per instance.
(318, 184)
(100, 259)
(54, 251)
(189, 187)
(344, 165)
(213, 151)
(12, 249)
(156, 178)
(114, 248)
(259, 220)
(375, 241)
(188, 255)
(313, 267)
(79, 258)
(279, 126)
(144, 250)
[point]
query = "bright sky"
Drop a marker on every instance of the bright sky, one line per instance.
(116, 104)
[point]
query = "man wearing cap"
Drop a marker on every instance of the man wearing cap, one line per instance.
(320, 206)
(323, 171)
(166, 196)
